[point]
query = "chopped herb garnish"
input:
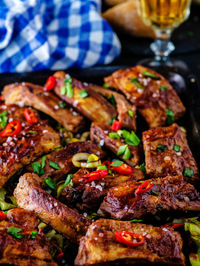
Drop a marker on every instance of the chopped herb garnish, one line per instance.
(130, 112)
(83, 94)
(63, 91)
(3, 119)
(37, 168)
(34, 234)
(92, 216)
(141, 167)
(177, 148)
(136, 83)
(124, 149)
(136, 221)
(102, 167)
(54, 165)
(50, 183)
(112, 120)
(68, 80)
(131, 138)
(31, 132)
(163, 88)
(161, 148)
(106, 85)
(68, 181)
(13, 231)
(62, 105)
(43, 161)
(117, 163)
(170, 116)
(114, 135)
(188, 172)
(111, 99)
(69, 90)
(150, 75)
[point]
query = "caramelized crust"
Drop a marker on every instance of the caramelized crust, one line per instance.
(169, 161)
(64, 156)
(100, 247)
(152, 97)
(32, 197)
(94, 107)
(23, 148)
(168, 193)
(99, 134)
(28, 94)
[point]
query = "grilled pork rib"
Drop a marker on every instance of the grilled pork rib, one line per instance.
(93, 106)
(63, 158)
(32, 197)
(28, 94)
(168, 193)
(152, 94)
(167, 153)
(162, 246)
(23, 148)
(99, 134)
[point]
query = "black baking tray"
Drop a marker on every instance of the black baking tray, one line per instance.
(184, 82)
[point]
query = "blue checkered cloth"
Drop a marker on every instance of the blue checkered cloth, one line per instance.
(54, 34)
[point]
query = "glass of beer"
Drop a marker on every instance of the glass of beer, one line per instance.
(163, 16)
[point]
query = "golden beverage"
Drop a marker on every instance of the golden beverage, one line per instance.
(164, 14)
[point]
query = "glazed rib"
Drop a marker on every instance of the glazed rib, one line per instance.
(99, 134)
(32, 197)
(63, 158)
(168, 193)
(28, 94)
(23, 148)
(152, 96)
(94, 107)
(100, 247)
(167, 153)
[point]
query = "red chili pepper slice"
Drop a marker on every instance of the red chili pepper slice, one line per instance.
(129, 239)
(95, 175)
(173, 225)
(30, 116)
(2, 216)
(11, 129)
(116, 125)
(60, 256)
(144, 187)
(50, 84)
(106, 163)
(123, 169)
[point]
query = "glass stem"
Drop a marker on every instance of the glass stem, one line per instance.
(162, 46)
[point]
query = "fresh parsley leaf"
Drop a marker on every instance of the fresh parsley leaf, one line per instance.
(37, 168)
(117, 163)
(13, 231)
(50, 183)
(54, 165)
(83, 93)
(170, 116)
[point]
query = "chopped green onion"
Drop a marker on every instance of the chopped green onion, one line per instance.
(50, 183)
(31, 132)
(102, 167)
(83, 94)
(54, 165)
(136, 221)
(111, 99)
(92, 216)
(127, 154)
(34, 234)
(37, 168)
(150, 75)
(176, 148)
(136, 83)
(131, 138)
(117, 163)
(114, 135)
(3, 119)
(188, 172)
(112, 120)
(68, 181)
(163, 88)
(170, 116)
(161, 148)
(43, 161)
(130, 112)
(106, 85)
(68, 80)
(63, 90)
(13, 231)
(69, 90)
(141, 167)
(62, 104)
(121, 150)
